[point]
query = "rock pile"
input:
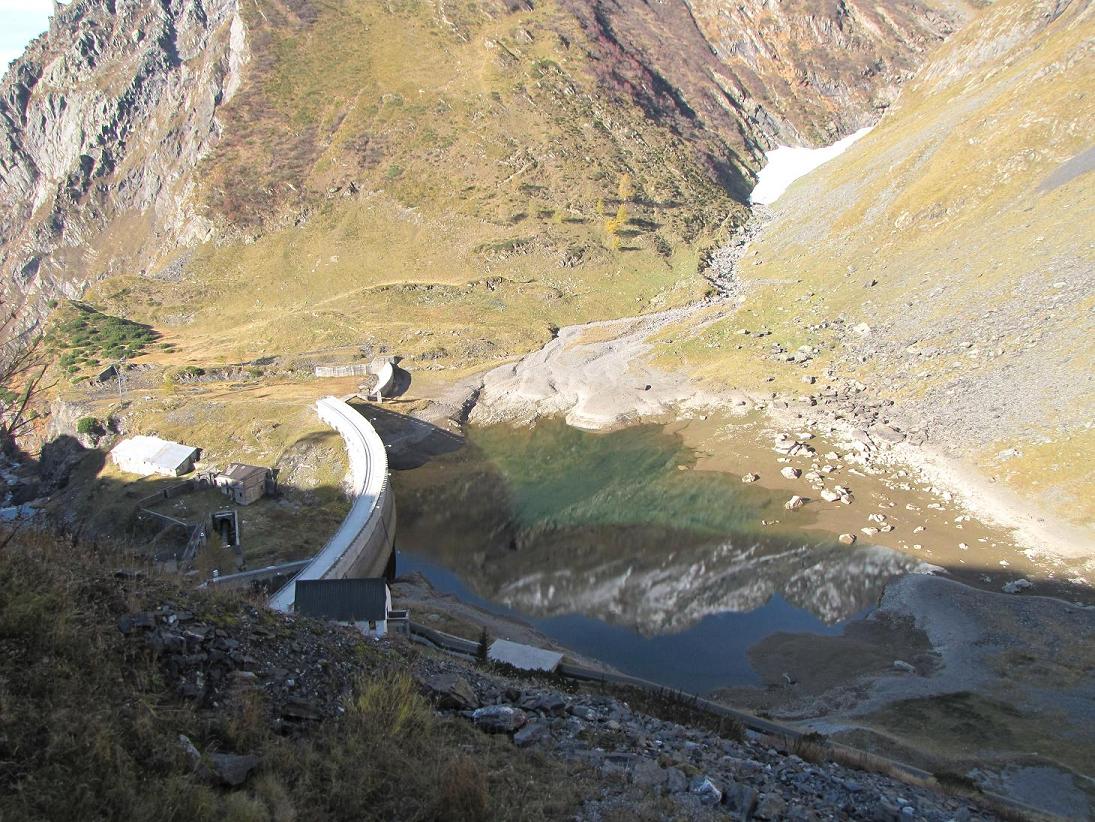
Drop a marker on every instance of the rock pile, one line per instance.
(305, 670)
(703, 774)
(302, 675)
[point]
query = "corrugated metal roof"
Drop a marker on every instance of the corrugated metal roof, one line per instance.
(172, 455)
(343, 600)
(241, 473)
(526, 657)
(154, 451)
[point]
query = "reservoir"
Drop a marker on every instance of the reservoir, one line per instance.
(623, 547)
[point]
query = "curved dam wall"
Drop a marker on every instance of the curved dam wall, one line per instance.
(365, 541)
(384, 379)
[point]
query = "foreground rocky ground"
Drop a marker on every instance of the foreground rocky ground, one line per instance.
(635, 761)
(127, 697)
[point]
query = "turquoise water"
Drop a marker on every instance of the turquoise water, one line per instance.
(604, 543)
(560, 476)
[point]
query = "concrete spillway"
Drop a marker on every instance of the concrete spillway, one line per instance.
(364, 542)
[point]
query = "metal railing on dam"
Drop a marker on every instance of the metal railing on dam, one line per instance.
(365, 540)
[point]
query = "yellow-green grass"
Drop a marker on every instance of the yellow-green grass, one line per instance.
(946, 191)
(358, 274)
(1057, 472)
(263, 424)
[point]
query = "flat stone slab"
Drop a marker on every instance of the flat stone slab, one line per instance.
(525, 657)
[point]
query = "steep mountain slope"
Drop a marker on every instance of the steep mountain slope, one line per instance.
(103, 120)
(812, 71)
(946, 262)
(336, 151)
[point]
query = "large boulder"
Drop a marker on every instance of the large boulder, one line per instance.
(532, 734)
(499, 719)
(451, 692)
(232, 769)
(708, 792)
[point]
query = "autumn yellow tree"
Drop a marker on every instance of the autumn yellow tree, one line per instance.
(613, 226)
(627, 188)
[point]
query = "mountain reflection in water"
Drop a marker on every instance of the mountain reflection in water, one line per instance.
(611, 543)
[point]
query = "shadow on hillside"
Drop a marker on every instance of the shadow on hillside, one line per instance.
(401, 382)
(104, 514)
(411, 442)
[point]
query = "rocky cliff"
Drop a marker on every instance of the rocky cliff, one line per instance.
(104, 120)
(820, 70)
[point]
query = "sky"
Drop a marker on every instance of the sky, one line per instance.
(20, 22)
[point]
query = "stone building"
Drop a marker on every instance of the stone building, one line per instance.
(246, 483)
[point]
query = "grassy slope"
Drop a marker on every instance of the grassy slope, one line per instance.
(478, 147)
(429, 180)
(942, 205)
(89, 722)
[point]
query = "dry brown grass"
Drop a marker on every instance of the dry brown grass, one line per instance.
(89, 729)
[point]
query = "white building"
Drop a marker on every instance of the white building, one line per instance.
(151, 455)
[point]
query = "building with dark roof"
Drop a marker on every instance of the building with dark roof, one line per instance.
(366, 603)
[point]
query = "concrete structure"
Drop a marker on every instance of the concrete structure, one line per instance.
(365, 542)
(385, 377)
(354, 370)
(244, 578)
(365, 603)
(245, 483)
(152, 455)
(525, 657)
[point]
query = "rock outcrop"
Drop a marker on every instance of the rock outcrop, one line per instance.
(816, 71)
(104, 120)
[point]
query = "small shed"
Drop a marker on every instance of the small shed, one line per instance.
(245, 483)
(364, 602)
(151, 455)
(525, 657)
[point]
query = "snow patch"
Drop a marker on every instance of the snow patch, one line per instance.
(786, 164)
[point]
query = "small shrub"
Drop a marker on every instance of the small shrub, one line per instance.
(812, 747)
(90, 427)
(392, 706)
(626, 188)
(953, 782)
(482, 650)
